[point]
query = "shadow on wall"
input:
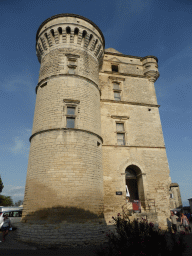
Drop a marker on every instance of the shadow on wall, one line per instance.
(59, 214)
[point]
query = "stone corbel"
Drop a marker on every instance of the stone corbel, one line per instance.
(152, 75)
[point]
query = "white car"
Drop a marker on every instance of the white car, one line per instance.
(13, 213)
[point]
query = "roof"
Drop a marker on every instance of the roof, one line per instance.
(174, 185)
(112, 50)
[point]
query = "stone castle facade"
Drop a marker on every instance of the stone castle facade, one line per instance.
(96, 130)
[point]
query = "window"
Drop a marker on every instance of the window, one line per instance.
(71, 70)
(114, 68)
(120, 127)
(116, 86)
(171, 195)
(120, 134)
(120, 139)
(117, 90)
(70, 122)
(7, 213)
(70, 110)
(72, 63)
(70, 117)
(117, 96)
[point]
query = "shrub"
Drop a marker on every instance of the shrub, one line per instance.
(141, 238)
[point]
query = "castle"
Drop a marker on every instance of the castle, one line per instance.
(97, 143)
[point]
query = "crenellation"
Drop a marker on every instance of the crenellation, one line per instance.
(56, 36)
(44, 43)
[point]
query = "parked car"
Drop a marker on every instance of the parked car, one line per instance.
(14, 214)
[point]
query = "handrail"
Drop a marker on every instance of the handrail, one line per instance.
(147, 205)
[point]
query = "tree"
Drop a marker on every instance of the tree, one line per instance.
(18, 203)
(6, 201)
(1, 185)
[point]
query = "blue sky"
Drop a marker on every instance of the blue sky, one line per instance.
(135, 27)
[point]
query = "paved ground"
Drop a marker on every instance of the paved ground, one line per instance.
(12, 247)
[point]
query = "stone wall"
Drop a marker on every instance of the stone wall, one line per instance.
(144, 147)
(63, 234)
(65, 163)
(65, 177)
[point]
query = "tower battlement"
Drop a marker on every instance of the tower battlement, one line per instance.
(69, 30)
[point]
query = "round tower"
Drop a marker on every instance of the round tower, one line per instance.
(64, 173)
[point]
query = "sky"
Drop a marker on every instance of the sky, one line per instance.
(134, 27)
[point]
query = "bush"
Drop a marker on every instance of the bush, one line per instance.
(142, 238)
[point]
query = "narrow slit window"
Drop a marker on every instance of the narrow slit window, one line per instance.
(117, 96)
(76, 31)
(114, 68)
(60, 30)
(68, 30)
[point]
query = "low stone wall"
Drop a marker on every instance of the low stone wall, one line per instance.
(150, 216)
(66, 234)
(73, 234)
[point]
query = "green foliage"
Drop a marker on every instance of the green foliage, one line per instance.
(6, 201)
(142, 238)
(1, 185)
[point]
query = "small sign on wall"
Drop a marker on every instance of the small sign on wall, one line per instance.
(119, 193)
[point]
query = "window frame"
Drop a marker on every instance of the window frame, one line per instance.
(121, 132)
(72, 63)
(112, 68)
(119, 92)
(71, 116)
(115, 90)
(116, 83)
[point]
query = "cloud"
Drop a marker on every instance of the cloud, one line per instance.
(19, 147)
(20, 84)
(21, 143)
(15, 192)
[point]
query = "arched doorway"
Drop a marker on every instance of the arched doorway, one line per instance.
(134, 182)
(131, 182)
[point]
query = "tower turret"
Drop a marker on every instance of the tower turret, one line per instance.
(65, 160)
(150, 68)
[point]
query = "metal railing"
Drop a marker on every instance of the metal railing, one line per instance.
(146, 206)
